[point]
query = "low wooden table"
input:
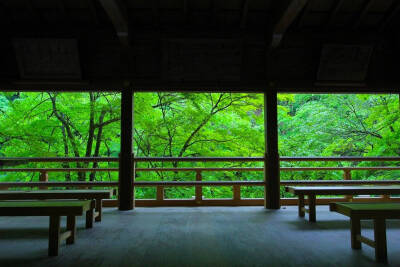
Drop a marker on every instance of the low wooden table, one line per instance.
(54, 209)
(97, 195)
(312, 191)
(378, 212)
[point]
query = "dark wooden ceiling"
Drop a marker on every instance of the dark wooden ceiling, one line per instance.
(244, 44)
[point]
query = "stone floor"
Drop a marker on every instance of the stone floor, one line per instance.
(201, 236)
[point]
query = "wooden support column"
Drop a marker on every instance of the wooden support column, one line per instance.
(271, 160)
(43, 177)
(126, 163)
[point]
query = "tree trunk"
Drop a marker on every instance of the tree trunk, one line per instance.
(65, 165)
(62, 118)
(98, 143)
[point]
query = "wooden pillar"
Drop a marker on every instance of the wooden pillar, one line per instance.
(43, 177)
(198, 188)
(126, 163)
(271, 160)
(347, 177)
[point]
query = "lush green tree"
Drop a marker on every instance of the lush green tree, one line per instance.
(194, 125)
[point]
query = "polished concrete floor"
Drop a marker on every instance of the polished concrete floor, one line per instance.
(202, 236)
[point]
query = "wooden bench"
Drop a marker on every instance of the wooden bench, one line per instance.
(378, 212)
(97, 195)
(312, 191)
(54, 209)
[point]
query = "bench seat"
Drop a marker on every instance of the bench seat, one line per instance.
(97, 195)
(312, 191)
(54, 209)
(378, 212)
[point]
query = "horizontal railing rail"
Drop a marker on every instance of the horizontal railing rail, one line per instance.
(195, 183)
(260, 169)
(197, 159)
(199, 183)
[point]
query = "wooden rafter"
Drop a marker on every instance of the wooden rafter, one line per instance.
(245, 11)
(93, 10)
(303, 15)
(61, 6)
(214, 12)
(5, 17)
(285, 19)
(394, 10)
(185, 10)
(34, 10)
(335, 9)
(117, 13)
(364, 12)
(156, 13)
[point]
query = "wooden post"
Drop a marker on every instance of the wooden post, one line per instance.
(301, 205)
(43, 177)
(126, 163)
(199, 188)
(271, 159)
(236, 194)
(54, 235)
(347, 177)
(312, 208)
(355, 226)
(89, 218)
(160, 193)
(99, 210)
(380, 240)
(71, 226)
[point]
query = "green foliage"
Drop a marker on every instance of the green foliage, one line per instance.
(195, 125)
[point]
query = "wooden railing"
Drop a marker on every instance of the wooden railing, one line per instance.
(199, 182)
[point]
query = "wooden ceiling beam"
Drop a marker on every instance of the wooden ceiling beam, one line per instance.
(364, 12)
(63, 10)
(335, 9)
(4, 14)
(61, 6)
(303, 15)
(214, 13)
(35, 11)
(185, 11)
(118, 15)
(285, 19)
(394, 10)
(156, 13)
(245, 11)
(93, 10)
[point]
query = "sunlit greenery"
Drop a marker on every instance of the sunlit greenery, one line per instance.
(197, 125)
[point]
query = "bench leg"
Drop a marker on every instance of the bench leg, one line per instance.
(54, 235)
(380, 240)
(311, 206)
(301, 205)
(89, 218)
(355, 230)
(71, 226)
(98, 210)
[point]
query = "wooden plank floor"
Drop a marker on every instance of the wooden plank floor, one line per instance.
(202, 236)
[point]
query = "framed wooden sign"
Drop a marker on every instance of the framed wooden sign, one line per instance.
(48, 58)
(344, 62)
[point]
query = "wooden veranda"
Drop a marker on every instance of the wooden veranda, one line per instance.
(265, 46)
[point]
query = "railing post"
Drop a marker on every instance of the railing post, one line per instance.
(199, 188)
(160, 193)
(236, 193)
(3, 187)
(347, 177)
(43, 177)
